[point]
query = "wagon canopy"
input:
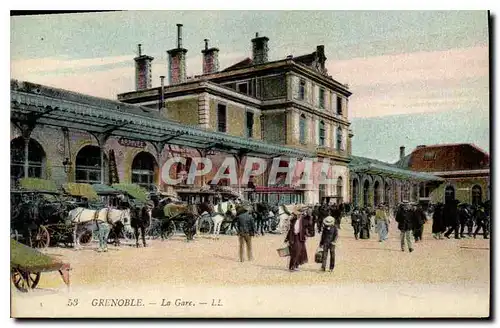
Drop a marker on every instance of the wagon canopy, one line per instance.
(80, 190)
(105, 190)
(28, 259)
(36, 184)
(133, 190)
(172, 210)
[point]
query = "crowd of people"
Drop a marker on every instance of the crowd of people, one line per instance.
(452, 217)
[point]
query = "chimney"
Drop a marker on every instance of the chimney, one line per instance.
(210, 59)
(321, 58)
(401, 152)
(259, 49)
(162, 92)
(142, 70)
(177, 60)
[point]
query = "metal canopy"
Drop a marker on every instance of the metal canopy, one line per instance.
(135, 123)
(394, 172)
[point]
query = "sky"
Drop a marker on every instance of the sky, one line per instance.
(417, 77)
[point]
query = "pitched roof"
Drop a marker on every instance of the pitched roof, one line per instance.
(247, 62)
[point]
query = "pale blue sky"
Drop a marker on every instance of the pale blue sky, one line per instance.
(405, 63)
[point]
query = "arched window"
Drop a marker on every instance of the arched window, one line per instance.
(477, 195)
(366, 190)
(36, 159)
(339, 189)
(449, 194)
(143, 170)
(377, 193)
(339, 138)
(302, 129)
(321, 137)
(88, 165)
(355, 192)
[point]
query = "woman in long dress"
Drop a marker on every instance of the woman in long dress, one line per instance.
(296, 239)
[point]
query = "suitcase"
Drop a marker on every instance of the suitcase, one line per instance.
(283, 252)
(318, 257)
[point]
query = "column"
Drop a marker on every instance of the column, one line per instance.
(101, 139)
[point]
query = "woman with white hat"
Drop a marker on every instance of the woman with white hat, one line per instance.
(296, 239)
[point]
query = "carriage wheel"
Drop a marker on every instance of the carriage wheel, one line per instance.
(154, 229)
(170, 231)
(41, 239)
(85, 238)
(205, 225)
(23, 280)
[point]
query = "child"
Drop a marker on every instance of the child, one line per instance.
(328, 240)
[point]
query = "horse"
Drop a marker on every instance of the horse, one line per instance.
(140, 220)
(221, 211)
(96, 220)
(261, 214)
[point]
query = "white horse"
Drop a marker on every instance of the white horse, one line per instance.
(220, 212)
(96, 220)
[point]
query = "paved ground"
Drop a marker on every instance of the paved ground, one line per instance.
(440, 278)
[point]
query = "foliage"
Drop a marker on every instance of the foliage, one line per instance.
(27, 257)
(133, 190)
(80, 189)
(37, 184)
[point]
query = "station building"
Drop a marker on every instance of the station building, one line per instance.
(289, 108)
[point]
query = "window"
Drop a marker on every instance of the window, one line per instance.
(339, 188)
(339, 105)
(476, 195)
(143, 168)
(88, 165)
(249, 125)
(302, 89)
(302, 129)
(36, 157)
(339, 138)
(221, 118)
(429, 156)
(242, 87)
(321, 140)
(321, 98)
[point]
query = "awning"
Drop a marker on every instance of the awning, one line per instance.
(394, 172)
(62, 108)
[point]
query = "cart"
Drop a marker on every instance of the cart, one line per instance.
(27, 265)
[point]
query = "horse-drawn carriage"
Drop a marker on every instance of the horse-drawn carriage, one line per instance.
(38, 214)
(27, 264)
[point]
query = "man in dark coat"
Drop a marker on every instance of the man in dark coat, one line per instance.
(438, 226)
(365, 225)
(483, 222)
(419, 221)
(464, 216)
(246, 230)
(328, 241)
(404, 218)
(356, 222)
(451, 218)
(336, 212)
(296, 238)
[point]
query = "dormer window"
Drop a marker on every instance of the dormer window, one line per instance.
(429, 156)
(242, 87)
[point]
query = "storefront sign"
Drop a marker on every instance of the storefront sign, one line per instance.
(132, 143)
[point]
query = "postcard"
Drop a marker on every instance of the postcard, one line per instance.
(263, 164)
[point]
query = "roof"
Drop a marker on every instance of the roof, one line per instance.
(247, 62)
(373, 166)
(62, 108)
(446, 157)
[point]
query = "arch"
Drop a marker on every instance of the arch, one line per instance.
(449, 193)
(387, 192)
(355, 192)
(36, 158)
(88, 165)
(476, 195)
(377, 189)
(366, 192)
(340, 189)
(144, 170)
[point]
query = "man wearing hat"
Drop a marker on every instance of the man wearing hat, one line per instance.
(328, 240)
(246, 230)
(296, 238)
